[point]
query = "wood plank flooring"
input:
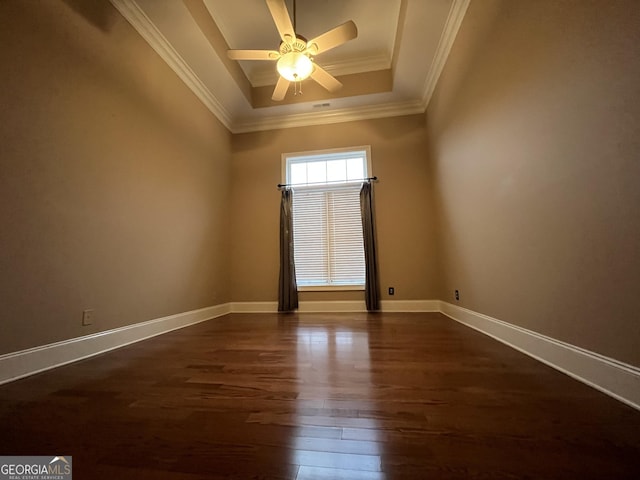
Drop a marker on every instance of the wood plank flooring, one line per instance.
(311, 396)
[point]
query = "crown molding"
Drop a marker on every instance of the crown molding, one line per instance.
(139, 20)
(331, 116)
(449, 33)
(132, 12)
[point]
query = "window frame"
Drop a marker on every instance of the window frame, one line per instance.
(285, 162)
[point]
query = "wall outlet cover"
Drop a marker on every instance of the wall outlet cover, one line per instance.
(87, 317)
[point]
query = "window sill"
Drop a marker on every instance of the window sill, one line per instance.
(330, 288)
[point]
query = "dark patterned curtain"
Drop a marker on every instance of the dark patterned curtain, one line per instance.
(287, 287)
(371, 288)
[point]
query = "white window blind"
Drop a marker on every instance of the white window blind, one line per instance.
(327, 236)
(327, 223)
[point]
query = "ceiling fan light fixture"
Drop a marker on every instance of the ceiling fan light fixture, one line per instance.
(294, 66)
(295, 54)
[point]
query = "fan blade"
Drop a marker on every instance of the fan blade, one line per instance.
(325, 79)
(282, 20)
(281, 89)
(253, 54)
(333, 38)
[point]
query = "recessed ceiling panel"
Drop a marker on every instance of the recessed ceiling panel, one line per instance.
(247, 25)
(404, 42)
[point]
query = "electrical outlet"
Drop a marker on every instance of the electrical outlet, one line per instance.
(457, 295)
(392, 291)
(87, 317)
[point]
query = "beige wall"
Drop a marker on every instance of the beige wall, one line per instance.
(113, 178)
(120, 192)
(535, 136)
(404, 213)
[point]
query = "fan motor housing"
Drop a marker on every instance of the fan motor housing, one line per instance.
(299, 45)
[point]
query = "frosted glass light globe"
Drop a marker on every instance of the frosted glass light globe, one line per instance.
(294, 66)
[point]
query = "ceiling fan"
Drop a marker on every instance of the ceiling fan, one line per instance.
(295, 53)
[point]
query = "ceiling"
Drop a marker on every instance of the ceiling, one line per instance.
(390, 69)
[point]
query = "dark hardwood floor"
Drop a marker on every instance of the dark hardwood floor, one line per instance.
(340, 396)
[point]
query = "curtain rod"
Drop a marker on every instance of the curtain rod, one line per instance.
(368, 179)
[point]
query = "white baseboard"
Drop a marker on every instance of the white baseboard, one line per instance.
(305, 307)
(254, 307)
(410, 305)
(617, 379)
(341, 306)
(23, 363)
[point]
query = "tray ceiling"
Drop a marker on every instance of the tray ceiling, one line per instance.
(390, 69)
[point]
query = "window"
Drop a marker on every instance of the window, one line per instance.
(327, 224)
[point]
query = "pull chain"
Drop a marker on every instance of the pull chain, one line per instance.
(297, 86)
